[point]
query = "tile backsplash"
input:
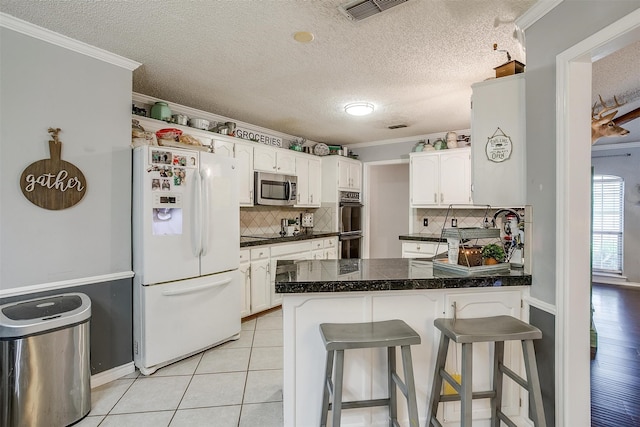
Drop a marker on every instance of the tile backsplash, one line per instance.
(464, 217)
(259, 220)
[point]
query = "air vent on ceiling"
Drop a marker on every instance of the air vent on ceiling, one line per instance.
(397, 126)
(361, 9)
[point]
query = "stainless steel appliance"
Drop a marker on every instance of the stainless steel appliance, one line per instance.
(275, 189)
(350, 227)
(45, 374)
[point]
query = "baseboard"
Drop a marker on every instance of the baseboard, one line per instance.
(112, 374)
(614, 280)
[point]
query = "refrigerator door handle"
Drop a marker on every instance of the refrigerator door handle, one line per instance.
(205, 176)
(197, 288)
(197, 215)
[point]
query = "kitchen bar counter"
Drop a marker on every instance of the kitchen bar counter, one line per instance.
(423, 237)
(364, 290)
(271, 239)
(348, 275)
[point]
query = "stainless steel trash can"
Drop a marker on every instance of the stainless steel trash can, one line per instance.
(44, 361)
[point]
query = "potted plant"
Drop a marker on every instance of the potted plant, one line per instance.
(493, 254)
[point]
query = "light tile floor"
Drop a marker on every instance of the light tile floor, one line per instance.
(237, 384)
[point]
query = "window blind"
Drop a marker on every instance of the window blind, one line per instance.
(608, 223)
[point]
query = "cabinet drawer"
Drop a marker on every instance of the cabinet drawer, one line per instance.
(290, 248)
(316, 244)
(426, 248)
(245, 255)
(259, 253)
(330, 243)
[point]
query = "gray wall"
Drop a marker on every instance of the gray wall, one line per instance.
(616, 162)
(569, 23)
(42, 86)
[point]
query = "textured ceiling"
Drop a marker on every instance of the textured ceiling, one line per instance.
(415, 62)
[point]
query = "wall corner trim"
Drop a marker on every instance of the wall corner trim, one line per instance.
(29, 29)
(536, 12)
(113, 374)
(541, 305)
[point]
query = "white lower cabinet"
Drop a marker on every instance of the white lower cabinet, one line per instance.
(260, 279)
(258, 267)
(421, 249)
(289, 251)
(245, 289)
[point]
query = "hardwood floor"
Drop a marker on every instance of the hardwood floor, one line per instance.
(615, 371)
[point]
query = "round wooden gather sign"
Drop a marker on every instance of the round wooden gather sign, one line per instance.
(53, 183)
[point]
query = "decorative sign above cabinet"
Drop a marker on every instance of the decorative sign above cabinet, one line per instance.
(53, 183)
(262, 138)
(499, 146)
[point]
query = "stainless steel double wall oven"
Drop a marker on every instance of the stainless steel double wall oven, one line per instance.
(350, 225)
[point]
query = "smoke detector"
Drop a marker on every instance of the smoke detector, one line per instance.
(360, 9)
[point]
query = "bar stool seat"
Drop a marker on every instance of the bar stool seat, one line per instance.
(339, 337)
(496, 329)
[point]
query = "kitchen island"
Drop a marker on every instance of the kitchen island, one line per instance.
(360, 290)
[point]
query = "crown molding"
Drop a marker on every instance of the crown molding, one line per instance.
(535, 12)
(29, 29)
(414, 138)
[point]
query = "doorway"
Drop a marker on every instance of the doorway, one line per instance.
(573, 161)
(387, 206)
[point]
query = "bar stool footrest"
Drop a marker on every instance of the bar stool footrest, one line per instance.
(363, 403)
(505, 419)
(489, 394)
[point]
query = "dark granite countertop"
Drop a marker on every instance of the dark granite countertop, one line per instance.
(348, 275)
(423, 237)
(270, 239)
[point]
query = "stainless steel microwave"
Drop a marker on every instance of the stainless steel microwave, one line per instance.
(275, 189)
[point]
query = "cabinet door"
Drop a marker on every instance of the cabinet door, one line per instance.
(223, 148)
(260, 285)
(264, 159)
(315, 182)
(285, 161)
(245, 272)
(244, 154)
(492, 302)
(355, 176)
(302, 172)
(424, 183)
(343, 175)
(331, 253)
(455, 177)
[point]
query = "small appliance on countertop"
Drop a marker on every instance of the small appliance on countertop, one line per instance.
(306, 222)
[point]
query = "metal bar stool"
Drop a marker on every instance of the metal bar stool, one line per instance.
(496, 329)
(339, 337)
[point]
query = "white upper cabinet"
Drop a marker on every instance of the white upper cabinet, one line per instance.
(224, 148)
(440, 178)
(498, 142)
(308, 171)
(349, 174)
(244, 154)
(270, 159)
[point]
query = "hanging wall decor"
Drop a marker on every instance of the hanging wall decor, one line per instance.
(499, 146)
(53, 183)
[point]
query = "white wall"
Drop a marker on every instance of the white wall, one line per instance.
(388, 206)
(616, 162)
(44, 85)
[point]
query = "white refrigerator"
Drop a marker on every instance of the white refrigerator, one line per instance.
(186, 244)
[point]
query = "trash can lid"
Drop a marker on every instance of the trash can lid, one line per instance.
(22, 318)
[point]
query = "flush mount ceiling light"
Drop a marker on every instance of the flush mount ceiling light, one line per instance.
(359, 108)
